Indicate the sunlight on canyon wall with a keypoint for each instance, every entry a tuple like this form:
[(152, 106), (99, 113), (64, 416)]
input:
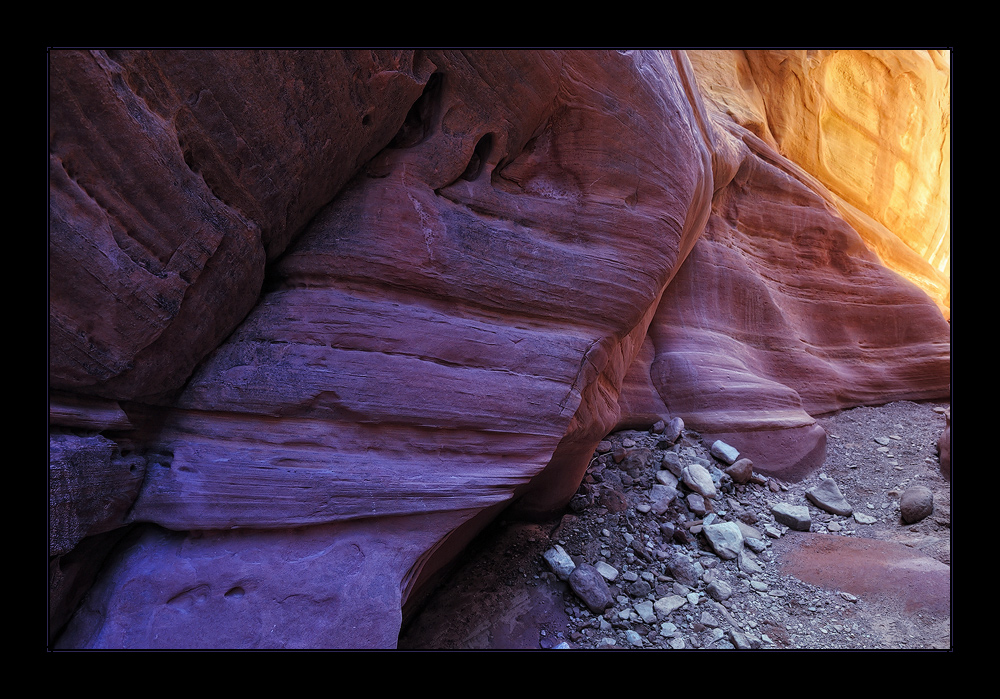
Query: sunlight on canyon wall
[(873, 127)]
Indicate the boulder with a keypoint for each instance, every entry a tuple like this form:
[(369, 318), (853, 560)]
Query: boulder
[(916, 503)]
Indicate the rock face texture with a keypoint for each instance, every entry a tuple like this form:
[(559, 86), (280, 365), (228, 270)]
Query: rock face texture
[(338, 309)]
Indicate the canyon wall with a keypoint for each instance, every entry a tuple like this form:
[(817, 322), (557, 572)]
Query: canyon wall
[(317, 317)]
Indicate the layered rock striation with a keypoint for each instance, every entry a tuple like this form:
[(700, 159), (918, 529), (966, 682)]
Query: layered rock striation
[(338, 309)]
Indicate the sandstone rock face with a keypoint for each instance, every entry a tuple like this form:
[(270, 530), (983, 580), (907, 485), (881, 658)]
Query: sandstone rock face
[(354, 304), (873, 126)]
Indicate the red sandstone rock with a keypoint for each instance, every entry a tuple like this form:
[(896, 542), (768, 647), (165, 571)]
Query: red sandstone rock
[(878, 570), (944, 449), (174, 177), (490, 280)]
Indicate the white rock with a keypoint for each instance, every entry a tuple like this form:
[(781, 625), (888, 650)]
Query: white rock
[(559, 561), (607, 572), (645, 611), (723, 452), (726, 539), (698, 479), (667, 605)]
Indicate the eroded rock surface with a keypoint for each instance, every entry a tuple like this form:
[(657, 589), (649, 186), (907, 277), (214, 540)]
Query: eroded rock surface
[(353, 304)]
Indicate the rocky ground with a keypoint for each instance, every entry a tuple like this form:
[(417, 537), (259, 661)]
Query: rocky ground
[(674, 568)]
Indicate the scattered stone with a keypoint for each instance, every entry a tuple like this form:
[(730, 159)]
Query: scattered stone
[(673, 429), (633, 638), (660, 497), (863, 518), (698, 479), (723, 452), (658, 427), (665, 606), (739, 640), (667, 478), (560, 562), (646, 612), (741, 471), (719, 590), (684, 570), (607, 571), (696, 503), (672, 463), (882, 440), (748, 565), (613, 499), (792, 516), (827, 496), (589, 585), (604, 447), (916, 503), (726, 539)]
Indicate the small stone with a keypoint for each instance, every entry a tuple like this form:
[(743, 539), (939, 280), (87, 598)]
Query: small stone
[(739, 640), (633, 638), (646, 612), (696, 503), (658, 426), (604, 447), (667, 478), (741, 471), (863, 518), (672, 462), (667, 629), (560, 562), (698, 479), (628, 443), (660, 497), (792, 516), (607, 572), (684, 570), (665, 606), (720, 590), (726, 539), (882, 440), (748, 565), (916, 503), (723, 452), (673, 429), (589, 585), (827, 496)]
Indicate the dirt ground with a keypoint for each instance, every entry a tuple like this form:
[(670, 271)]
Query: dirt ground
[(850, 583)]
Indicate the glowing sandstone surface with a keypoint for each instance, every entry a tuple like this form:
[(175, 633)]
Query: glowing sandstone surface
[(331, 312)]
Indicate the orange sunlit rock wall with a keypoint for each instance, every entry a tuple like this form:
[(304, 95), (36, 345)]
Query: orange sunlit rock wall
[(872, 126)]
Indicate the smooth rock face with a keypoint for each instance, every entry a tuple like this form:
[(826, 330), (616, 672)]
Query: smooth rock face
[(373, 298)]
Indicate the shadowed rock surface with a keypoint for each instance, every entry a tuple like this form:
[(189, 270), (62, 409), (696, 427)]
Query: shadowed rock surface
[(347, 306)]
